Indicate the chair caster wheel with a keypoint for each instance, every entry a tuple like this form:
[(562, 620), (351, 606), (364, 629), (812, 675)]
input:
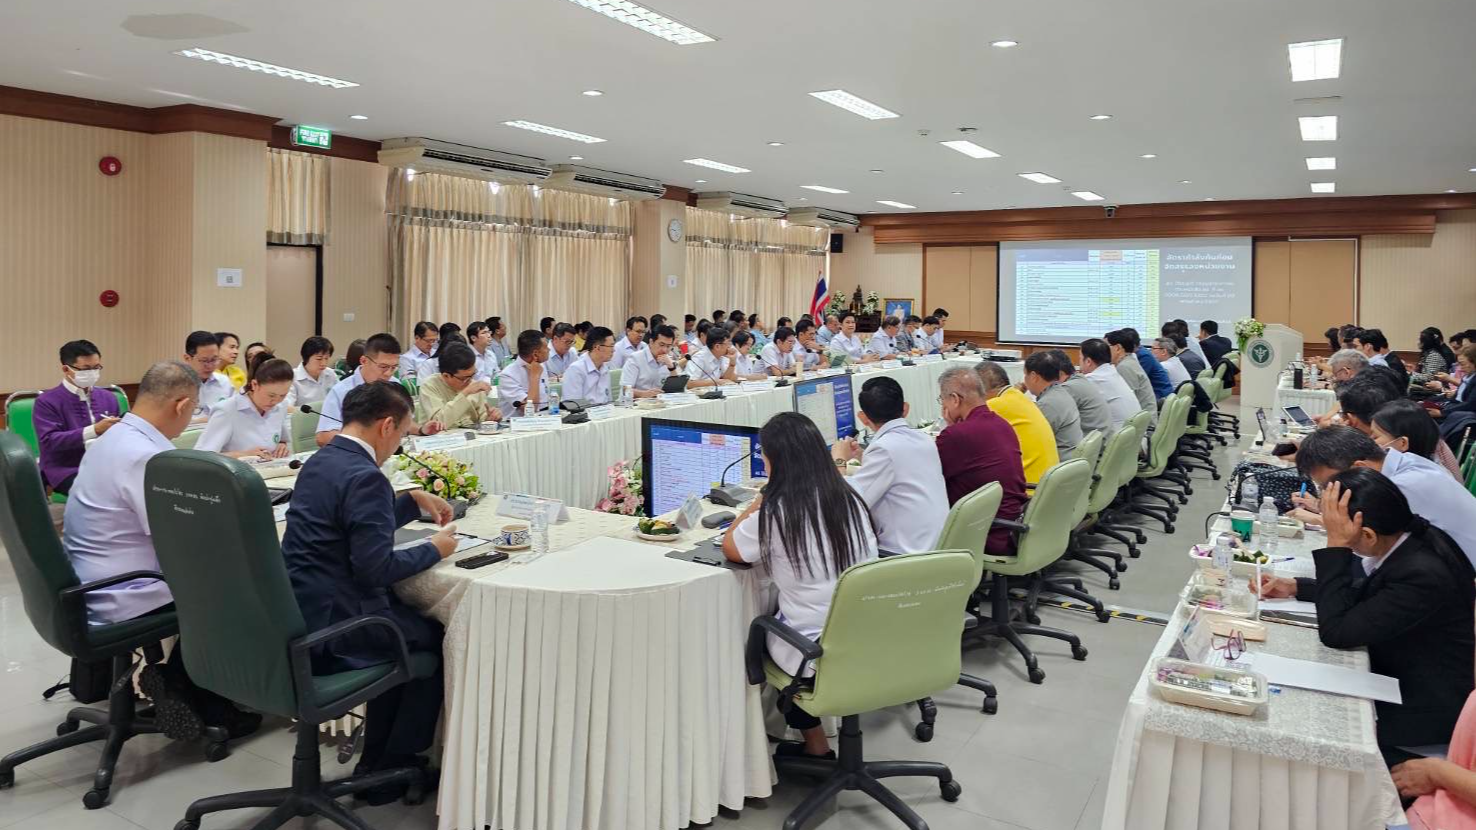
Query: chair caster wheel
[(923, 732), (216, 752), (1141, 536), (7, 780), (1169, 528), (66, 727), (950, 790), (991, 706), (186, 824), (1113, 584), (1104, 616), (1121, 566), (1215, 476), (1134, 553), (1036, 675), (94, 799), (1080, 652)]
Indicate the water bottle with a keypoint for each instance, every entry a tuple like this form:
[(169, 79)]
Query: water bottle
[(538, 535), (1266, 520), (1223, 554), (553, 403), (1249, 493), (627, 395)]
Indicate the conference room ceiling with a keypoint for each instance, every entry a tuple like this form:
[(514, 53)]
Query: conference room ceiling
[(1203, 86)]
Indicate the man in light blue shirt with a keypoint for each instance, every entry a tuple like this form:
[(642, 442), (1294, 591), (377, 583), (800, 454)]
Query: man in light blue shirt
[(588, 378), (646, 370), (380, 360), (824, 334), (562, 353), (426, 335), (884, 342)]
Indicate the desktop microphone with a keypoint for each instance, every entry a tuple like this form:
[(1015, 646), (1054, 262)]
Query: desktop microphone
[(714, 394), (730, 496), (307, 409)]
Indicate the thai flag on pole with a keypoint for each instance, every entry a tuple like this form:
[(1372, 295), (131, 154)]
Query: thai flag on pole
[(821, 298)]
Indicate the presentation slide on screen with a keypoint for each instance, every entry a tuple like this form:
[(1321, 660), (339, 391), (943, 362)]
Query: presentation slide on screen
[(1067, 291)]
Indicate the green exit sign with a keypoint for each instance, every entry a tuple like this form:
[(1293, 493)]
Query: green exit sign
[(319, 137)]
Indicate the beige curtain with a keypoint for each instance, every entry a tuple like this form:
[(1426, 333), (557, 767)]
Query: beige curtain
[(297, 198), (763, 266), (463, 249)]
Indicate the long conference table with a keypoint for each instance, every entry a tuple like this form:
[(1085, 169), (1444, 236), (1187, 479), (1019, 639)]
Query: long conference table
[(569, 463)]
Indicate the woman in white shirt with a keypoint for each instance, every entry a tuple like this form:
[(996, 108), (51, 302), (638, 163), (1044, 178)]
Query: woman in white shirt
[(745, 365), (847, 342), (251, 424), (806, 528), (312, 378)]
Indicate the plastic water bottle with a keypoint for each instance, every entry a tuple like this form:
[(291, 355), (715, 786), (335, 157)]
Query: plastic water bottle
[(553, 403), (538, 535), (1249, 493), (1223, 555), (627, 395), (1266, 521)]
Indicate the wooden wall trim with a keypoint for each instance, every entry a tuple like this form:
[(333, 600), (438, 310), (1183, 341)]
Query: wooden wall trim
[(678, 194), (174, 119), (344, 146)]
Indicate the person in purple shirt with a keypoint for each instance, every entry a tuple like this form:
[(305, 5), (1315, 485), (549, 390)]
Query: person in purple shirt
[(979, 447), (69, 415)]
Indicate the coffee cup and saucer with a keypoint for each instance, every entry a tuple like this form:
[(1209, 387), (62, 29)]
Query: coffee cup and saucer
[(513, 537)]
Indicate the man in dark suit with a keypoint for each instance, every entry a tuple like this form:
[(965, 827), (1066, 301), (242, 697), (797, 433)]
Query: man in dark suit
[(1213, 344), (341, 557)]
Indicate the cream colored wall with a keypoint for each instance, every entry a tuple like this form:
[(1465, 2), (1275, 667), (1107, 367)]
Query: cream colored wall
[(1408, 282), (654, 258), (229, 216), (890, 270), (355, 257)]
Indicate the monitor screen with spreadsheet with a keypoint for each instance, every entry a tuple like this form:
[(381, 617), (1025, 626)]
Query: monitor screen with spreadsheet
[(1065, 291), (828, 403), (686, 458)]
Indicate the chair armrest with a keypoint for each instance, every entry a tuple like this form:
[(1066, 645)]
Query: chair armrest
[(299, 652), (75, 596), (1008, 525), (754, 649)]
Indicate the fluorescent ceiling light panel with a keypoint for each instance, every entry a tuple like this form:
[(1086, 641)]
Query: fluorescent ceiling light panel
[(1315, 60), (1087, 196), (851, 103), (1322, 163), (823, 189), (1100, 117), (648, 21), (1039, 178), (969, 148), (266, 68), (1319, 127), (716, 165), (1004, 44), (360, 117), (1322, 187), (553, 131), (592, 93), (891, 203)]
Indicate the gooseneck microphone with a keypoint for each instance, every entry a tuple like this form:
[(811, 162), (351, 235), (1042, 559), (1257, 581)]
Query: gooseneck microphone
[(730, 496), (307, 409)]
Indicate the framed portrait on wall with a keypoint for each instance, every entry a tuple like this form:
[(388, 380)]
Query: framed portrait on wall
[(895, 307)]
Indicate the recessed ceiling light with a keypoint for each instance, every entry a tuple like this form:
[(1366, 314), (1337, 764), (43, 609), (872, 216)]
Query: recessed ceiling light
[(851, 103), (1451, 191), (969, 148), (360, 117), (717, 165), (823, 189), (576, 158), (957, 193), (1149, 156), (646, 20), (700, 181), (592, 93), (1322, 163), (776, 143), (1473, 170), (1322, 187), (1184, 181), (1208, 199), (803, 199), (1100, 117), (1039, 178), (266, 68), (553, 131), (891, 203), (1319, 127), (1315, 60), (1087, 196), (1004, 44)]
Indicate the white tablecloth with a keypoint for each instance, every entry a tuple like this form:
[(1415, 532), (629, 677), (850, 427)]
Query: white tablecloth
[(1313, 401), (569, 463), (1308, 761)]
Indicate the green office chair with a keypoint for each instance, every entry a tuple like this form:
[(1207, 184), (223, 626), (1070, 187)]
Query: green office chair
[(303, 430), (1223, 421), (122, 398), (19, 420), (873, 653), (1196, 447), (615, 384), (1203, 426), (1161, 446), (56, 604), (1039, 539), (186, 440), (966, 528), (412, 386), (252, 646), (1116, 467), (1099, 497)]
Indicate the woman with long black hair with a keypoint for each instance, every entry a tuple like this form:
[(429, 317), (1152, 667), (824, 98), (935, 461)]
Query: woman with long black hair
[(1436, 357), (1408, 600), (805, 529)]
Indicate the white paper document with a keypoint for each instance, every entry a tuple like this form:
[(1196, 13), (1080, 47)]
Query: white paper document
[(1306, 674)]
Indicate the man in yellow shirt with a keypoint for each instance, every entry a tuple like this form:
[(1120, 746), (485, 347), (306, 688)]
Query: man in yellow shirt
[(1038, 442), (454, 398)]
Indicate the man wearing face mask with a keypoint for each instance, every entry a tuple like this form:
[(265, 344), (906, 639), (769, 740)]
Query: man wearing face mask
[(341, 557), (68, 416)]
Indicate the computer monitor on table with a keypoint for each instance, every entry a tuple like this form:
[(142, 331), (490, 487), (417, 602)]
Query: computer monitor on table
[(828, 403), (688, 458)]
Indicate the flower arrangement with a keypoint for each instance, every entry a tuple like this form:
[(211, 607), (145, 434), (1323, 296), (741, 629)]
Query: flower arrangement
[(873, 303), (442, 475), (1246, 328), (838, 304), (625, 495)]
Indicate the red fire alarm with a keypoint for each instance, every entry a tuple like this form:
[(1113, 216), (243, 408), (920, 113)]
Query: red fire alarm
[(108, 298), (110, 166)]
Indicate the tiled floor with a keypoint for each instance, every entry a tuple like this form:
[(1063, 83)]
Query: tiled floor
[(1041, 763)]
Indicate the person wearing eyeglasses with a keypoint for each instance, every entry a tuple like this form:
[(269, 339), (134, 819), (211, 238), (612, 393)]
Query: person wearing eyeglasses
[(380, 360), (562, 351), (1393, 583), (588, 378), (978, 447), (203, 354), (69, 415), (457, 395)]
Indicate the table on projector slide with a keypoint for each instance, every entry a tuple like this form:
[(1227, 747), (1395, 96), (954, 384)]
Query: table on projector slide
[(689, 467), (1308, 761), (1107, 289), (570, 463)]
